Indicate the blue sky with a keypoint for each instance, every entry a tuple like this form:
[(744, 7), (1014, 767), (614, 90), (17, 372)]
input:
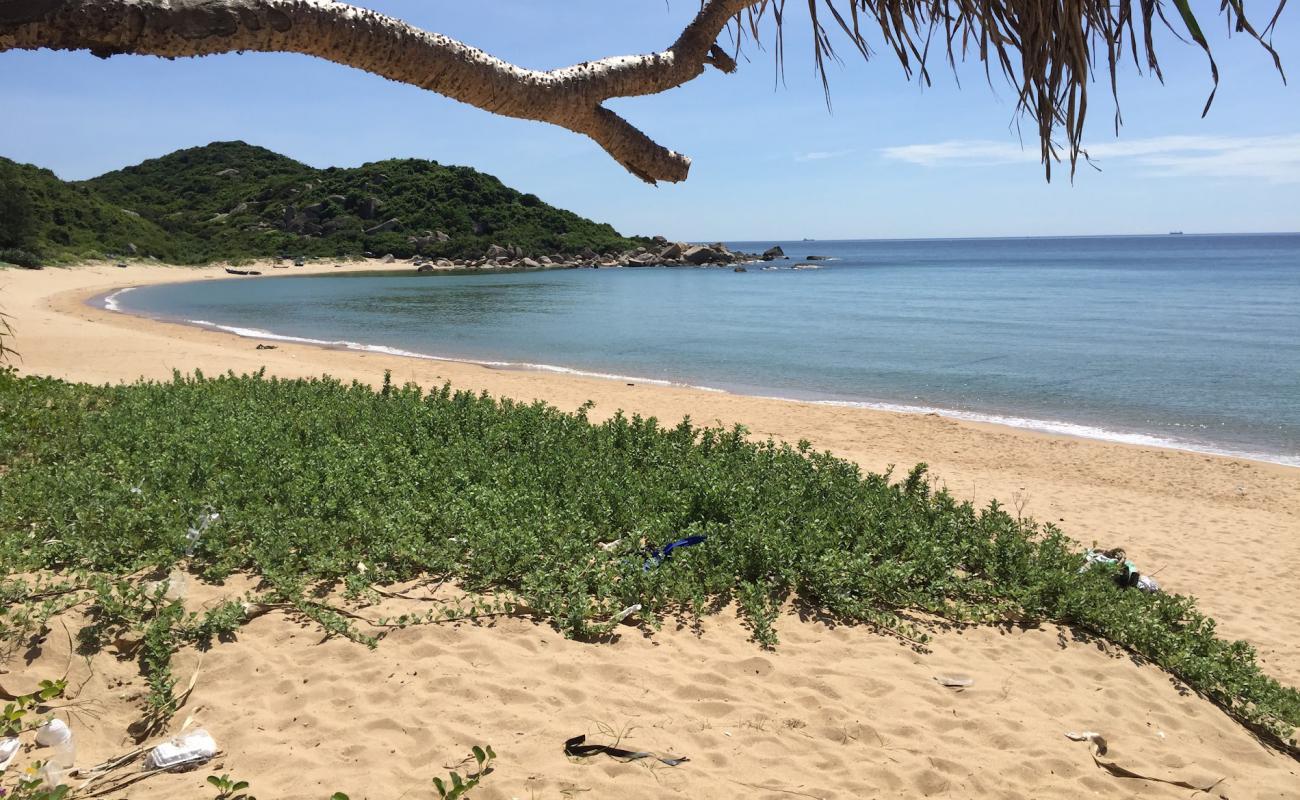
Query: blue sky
[(770, 162)]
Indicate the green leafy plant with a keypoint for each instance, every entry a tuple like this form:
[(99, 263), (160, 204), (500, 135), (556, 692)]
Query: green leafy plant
[(230, 789), (457, 785), (12, 718), (34, 788)]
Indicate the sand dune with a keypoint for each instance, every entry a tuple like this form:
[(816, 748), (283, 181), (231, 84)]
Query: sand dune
[(832, 713)]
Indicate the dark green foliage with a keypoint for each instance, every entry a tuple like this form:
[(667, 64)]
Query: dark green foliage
[(231, 200), (17, 217), (66, 221), (313, 478)]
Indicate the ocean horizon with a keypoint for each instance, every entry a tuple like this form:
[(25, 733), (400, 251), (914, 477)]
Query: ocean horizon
[(1185, 341)]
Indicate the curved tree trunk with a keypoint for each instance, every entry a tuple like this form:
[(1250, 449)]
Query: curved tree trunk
[(570, 97)]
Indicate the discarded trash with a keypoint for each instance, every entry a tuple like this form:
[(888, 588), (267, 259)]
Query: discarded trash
[(663, 554), (957, 682), (194, 534), (54, 732), (627, 612), (577, 748), (9, 747), (266, 347), (192, 748), (1129, 577), (56, 735), (1099, 750), (1098, 741)]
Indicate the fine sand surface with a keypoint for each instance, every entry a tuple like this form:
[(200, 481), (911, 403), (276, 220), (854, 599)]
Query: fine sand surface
[(832, 713)]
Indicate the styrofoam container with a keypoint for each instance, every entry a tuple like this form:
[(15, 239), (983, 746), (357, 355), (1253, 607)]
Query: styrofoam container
[(194, 747)]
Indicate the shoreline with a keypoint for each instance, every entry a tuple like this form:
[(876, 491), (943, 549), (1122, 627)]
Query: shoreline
[(1049, 427), (1212, 526)]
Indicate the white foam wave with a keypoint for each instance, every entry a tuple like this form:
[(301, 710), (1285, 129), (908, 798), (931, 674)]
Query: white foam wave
[(1064, 428), (344, 344), (110, 301)]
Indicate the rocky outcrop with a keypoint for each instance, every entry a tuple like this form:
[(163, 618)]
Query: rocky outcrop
[(773, 253)]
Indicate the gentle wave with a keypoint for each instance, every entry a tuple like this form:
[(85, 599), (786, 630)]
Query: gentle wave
[(110, 301), (1075, 429), (344, 344), (1059, 427)]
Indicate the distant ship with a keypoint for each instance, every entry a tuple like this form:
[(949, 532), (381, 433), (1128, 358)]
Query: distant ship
[(1175, 233), (810, 240)]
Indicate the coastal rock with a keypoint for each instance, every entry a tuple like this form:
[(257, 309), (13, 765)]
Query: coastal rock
[(706, 255), (644, 260), (369, 208), (529, 263), (816, 258), (388, 259), (228, 173), (773, 253), (672, 252), (441, 237), (425, 268), (497, 251)]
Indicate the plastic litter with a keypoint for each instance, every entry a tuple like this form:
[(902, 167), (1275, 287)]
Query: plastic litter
[(195, 533), (627, 612), (9, 747), (577, 748), (661, 555), (54, 732), (56, 735), (958, 682), (1129, 577), (190, 749)]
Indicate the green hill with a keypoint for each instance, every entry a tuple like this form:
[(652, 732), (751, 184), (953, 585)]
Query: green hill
[(231, 200), (42, 217)]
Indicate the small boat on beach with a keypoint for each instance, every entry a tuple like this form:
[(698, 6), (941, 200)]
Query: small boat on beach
[(234, 271)]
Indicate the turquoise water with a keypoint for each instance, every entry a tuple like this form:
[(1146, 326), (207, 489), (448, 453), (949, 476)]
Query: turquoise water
[(1187, 341)]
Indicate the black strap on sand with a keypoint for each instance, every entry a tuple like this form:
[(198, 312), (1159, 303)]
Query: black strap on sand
[(577, 748)]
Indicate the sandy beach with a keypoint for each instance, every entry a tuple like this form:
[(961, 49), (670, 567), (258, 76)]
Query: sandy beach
[(834, 712)]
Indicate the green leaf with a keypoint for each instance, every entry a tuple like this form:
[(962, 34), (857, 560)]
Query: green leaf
[(479, 755), (440, 786)]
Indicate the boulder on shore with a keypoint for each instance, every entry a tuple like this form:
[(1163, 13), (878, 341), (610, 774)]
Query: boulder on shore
[(773, 253), (672, 252)]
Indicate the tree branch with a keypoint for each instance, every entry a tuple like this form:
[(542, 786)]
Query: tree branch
[(570, 97)]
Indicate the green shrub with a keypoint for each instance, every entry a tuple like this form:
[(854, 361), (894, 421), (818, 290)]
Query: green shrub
[(21, 258)]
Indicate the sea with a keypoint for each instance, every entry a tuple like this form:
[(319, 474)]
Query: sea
[(1183, 341)]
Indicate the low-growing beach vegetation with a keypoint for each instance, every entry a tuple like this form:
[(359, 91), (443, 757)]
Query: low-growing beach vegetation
[(316, 486)]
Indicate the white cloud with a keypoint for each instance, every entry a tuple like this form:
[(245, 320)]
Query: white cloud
[(821, 155), (1275, 159)]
